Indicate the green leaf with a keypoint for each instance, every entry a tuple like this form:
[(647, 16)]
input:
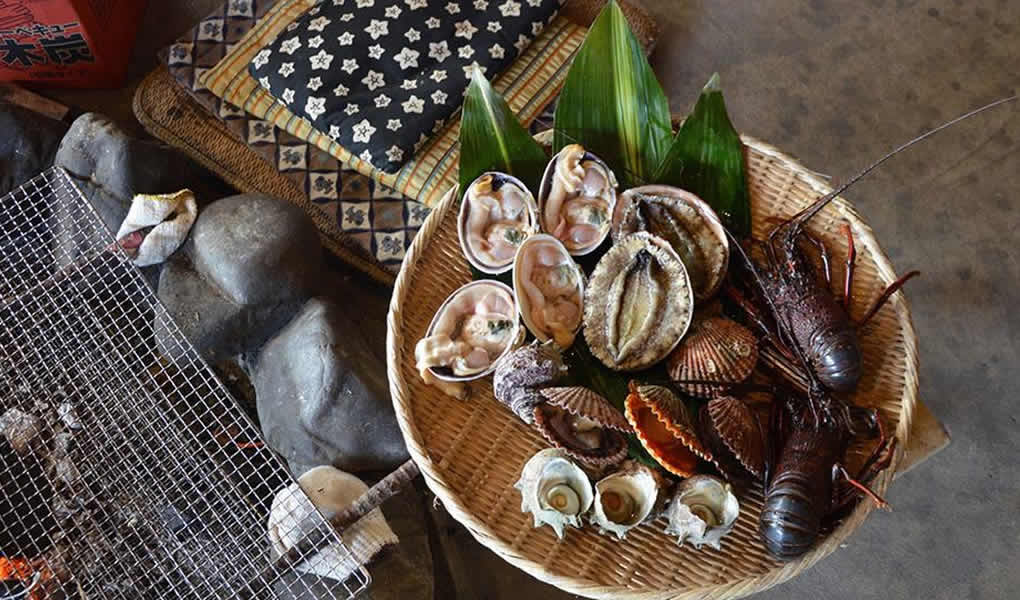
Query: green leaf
[(612, 103), (492, 139), (707, 159)]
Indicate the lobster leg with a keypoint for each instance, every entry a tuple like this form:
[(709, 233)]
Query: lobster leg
[(851, 259), (824, 253), (889, 291)]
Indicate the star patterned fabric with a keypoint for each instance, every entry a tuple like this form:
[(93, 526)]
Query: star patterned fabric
[(380, 76)]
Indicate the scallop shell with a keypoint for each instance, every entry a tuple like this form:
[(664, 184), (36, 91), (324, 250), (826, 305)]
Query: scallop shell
[(625, 499), (522, 373), (549, 289), (440, 356), (685, 221), (603, 443), (665, 429), (733, 432), (577, 176), (715, 349), (554, 490), (511, 227), (638, 303), (703, 510)]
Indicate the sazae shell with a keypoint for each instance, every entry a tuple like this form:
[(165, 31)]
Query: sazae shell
[(638, 303), (496, 215), (576, 199), (549, 287), (554, 490), (665, 428), (583, 424), (522, 373), (732, 431), (625, 499), (715, 349), (702, 511)]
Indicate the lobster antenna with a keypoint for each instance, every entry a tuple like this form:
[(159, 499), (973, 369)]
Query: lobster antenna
[(805, 215)]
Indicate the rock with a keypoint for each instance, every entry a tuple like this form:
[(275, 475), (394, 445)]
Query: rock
[(323, 397), (22, 431), (28, 145)]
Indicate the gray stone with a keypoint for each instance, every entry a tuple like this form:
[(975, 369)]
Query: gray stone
[(27, 146), (322, 398)]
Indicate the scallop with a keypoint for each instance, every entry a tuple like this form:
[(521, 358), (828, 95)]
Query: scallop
[(638, 303), (716, 349), (554, 490), (576, 199), (732, 431), (497, 214), (549, 288), (525, 371), (703, 510), (685, 221), (474, 328), (665, 428), (625, 499), (583, 424)]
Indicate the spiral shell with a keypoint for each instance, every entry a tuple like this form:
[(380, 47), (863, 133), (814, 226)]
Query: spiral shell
[(583, 424), (715, 349), (703, 510), (732, 431), (554, 490), (665, 429), (625, 499), (522, 373)]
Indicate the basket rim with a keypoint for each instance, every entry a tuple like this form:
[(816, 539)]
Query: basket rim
[(864, 237)]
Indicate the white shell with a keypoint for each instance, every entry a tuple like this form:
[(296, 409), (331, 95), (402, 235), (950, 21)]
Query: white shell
[(544, 471), (464, 359), (687, 511), (548, 286), (577, 176), (637, 483), (487, 213)]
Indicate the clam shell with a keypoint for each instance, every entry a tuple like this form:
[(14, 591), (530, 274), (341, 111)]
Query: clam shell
[(561, 182), (637, 486), (586, 403), (581, 402), (638, 303), (685, 221), (715, 349), (493, 181), (545, 471), (665, 429), (563, 274), (699, 498), (522, 373), (735, 436)]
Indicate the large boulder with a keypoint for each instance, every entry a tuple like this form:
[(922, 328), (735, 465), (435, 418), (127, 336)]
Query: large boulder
[(28, 145), (323, 398)]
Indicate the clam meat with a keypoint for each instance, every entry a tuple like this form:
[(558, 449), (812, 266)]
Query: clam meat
[(638, 303), (625, 499), (475, 327), (702, 511), (576, 199), (549, 288), (498, 213), (554, 490)]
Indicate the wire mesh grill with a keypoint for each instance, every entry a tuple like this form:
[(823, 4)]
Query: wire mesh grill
[(123, 474)]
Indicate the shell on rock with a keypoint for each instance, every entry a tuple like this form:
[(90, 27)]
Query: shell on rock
[(638, 303), (522, 373), (497, 214), (665, 428), (473, 329), (576, 199), (715, 349), (703, 510), (583, 424), (554, 490), (684, 220), (625, 499), (731, 429), (549, 288)]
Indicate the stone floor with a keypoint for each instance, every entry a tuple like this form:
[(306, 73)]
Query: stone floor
[(837, 83)]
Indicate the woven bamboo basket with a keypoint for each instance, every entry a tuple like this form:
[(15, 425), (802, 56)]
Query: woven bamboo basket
[(471, 452)]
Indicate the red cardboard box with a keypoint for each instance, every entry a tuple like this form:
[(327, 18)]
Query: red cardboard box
[(67, 43)]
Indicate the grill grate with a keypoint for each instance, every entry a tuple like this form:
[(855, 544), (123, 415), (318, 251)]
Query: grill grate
[(123, 474)]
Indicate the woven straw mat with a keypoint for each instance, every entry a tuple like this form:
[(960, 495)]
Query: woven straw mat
[(472, 452)]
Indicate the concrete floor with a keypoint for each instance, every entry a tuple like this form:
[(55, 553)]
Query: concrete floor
[(837, 83)]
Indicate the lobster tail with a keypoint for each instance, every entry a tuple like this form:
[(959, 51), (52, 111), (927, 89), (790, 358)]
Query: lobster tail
[(790, 520)]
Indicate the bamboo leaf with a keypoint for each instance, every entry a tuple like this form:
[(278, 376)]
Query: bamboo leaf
[(492, 139), (612, 103), (707, 159)]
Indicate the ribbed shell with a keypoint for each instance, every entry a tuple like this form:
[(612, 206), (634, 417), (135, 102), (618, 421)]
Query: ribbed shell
[(715, 349), (678, 455), (586, 403), (736, 426), (520, 375)]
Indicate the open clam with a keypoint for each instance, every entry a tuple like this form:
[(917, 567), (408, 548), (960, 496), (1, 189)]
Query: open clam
[(702, 511), (732, 431), (716, 349), (554, 490), (685, 221), (638, 303), (497, 214), (583, 424), (576, 199), (665, 428), (473, 329), (522, 373), (549, 287), (625, 499)]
